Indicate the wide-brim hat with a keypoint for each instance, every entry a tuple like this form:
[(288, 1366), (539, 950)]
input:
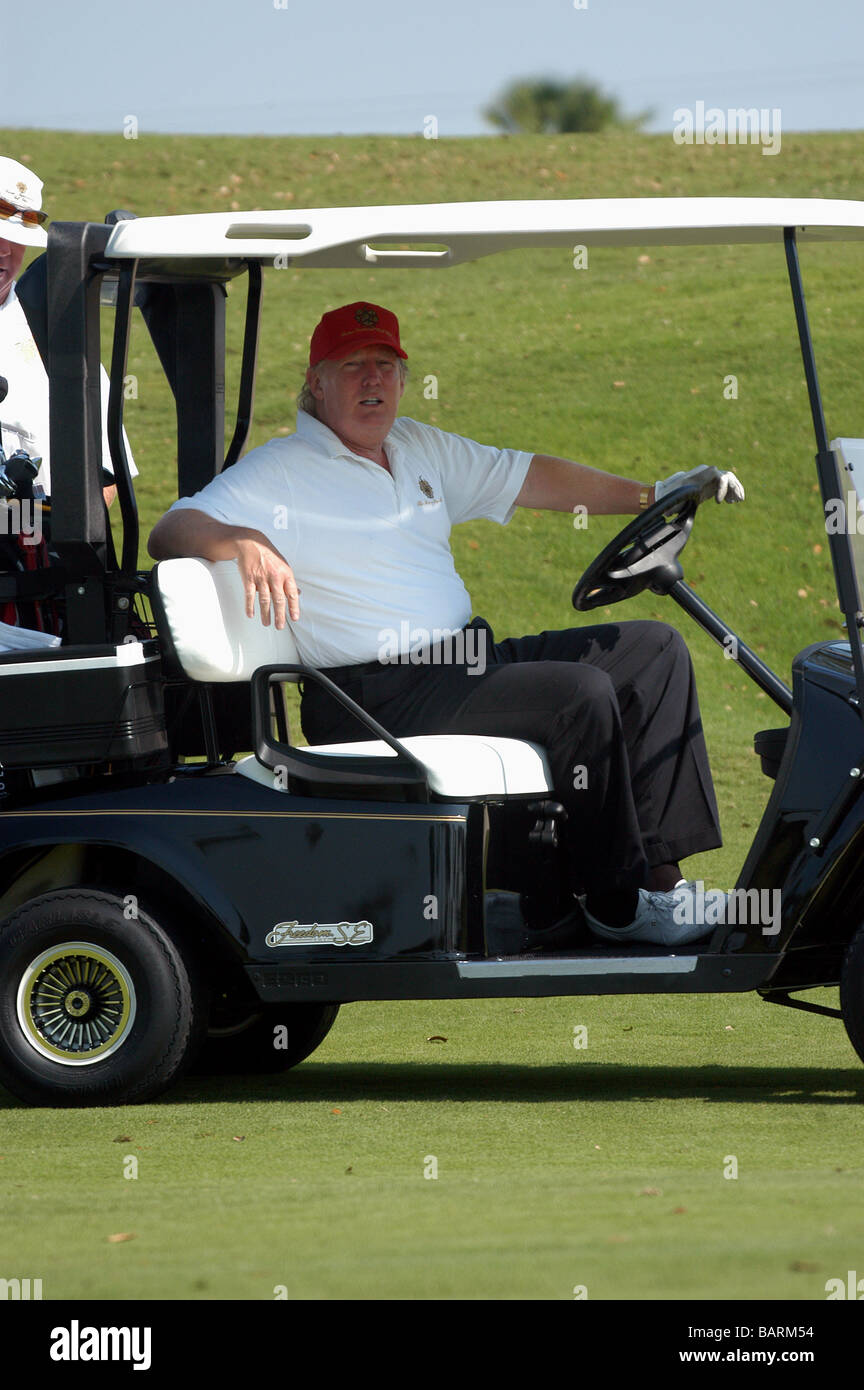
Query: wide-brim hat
[(20, 187)]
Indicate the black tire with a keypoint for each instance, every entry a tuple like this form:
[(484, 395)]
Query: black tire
[(96, 1008), (269, 1038), (852, 992)]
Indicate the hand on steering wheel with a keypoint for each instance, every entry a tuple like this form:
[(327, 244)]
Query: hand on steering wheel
[(713, 482), (645, 554)]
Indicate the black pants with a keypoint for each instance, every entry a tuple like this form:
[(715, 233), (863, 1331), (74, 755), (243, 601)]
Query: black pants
[(615, 707)]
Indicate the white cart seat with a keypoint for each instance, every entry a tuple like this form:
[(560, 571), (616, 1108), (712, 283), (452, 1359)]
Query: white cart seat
[(458, 765), (213, 640)]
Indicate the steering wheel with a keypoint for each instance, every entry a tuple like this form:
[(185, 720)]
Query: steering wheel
[(642, 556)]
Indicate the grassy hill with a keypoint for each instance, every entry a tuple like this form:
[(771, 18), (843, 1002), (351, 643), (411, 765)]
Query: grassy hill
[(621, 366)]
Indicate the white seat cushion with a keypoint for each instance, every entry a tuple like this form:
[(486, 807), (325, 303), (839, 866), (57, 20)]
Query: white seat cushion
[(205, 613), (459, 765)]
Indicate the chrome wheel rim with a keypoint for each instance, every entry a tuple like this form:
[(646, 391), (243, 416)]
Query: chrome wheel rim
[(76, 1003)]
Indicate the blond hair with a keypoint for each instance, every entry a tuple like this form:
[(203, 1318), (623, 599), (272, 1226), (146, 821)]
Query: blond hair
[(306, 401)]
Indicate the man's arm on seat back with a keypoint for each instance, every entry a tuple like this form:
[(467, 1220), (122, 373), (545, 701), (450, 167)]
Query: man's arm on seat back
[(190, 532), (264, 571)]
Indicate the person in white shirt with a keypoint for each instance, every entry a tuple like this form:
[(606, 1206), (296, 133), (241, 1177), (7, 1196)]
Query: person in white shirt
[(24, 412), (352, 514)]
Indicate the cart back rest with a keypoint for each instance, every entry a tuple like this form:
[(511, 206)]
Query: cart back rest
[(200, 610)]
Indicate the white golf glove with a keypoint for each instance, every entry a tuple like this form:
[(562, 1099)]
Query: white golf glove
[(723, 487)]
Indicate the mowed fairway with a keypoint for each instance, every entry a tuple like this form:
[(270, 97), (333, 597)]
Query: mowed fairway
[(609, 1166)]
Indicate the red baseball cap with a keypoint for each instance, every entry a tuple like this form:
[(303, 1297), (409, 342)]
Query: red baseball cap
[(353, 326)]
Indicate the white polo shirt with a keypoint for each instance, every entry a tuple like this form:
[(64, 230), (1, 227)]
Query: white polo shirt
[(370, 550), (24, 413)]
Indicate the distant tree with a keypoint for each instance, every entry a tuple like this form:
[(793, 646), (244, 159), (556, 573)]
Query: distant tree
[(545, 106)]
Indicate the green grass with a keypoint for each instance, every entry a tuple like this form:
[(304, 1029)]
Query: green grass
[(602, 1166), (544, 1152)]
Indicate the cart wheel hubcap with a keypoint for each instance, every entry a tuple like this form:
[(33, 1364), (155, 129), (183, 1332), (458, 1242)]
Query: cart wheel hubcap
[(76, 1003)]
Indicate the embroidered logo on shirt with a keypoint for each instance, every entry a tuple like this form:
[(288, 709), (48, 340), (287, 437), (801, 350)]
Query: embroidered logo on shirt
[(428, 492)]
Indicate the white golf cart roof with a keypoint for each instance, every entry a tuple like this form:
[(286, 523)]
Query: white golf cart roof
[(447, 233)]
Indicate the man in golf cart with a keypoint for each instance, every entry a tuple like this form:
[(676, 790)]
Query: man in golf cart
[(25, 454), (343, 530), (24, 411)]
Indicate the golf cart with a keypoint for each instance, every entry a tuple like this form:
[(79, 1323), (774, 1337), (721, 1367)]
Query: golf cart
[(169, 898)]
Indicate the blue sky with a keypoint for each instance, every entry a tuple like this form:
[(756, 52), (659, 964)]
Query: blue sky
[(326, 66)]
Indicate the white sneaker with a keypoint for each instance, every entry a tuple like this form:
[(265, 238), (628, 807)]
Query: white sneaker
[(665, 919)]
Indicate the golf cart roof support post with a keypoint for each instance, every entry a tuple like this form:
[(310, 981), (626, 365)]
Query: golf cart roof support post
[(246, 394), (78, 524), (839, 543), (119, 360), (186, 323), (805, 339), (199, 384), (745, 657)]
